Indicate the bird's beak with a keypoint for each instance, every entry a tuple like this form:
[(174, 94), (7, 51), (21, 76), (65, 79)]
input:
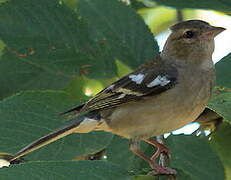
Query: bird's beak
[(216, 30), (211, 32)]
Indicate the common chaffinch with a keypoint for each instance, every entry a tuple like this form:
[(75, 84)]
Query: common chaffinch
[(157, 97)]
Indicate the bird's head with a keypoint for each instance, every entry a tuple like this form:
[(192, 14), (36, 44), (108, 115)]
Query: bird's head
[(191, 41)]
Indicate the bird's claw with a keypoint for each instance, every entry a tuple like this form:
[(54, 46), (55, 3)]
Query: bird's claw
[(162, 171), (165, 151), (161, 150)]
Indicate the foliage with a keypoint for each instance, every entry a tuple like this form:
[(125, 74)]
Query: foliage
[(55, 54)]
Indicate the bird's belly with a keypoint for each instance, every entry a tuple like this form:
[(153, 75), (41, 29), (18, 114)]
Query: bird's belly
[(161, 114)]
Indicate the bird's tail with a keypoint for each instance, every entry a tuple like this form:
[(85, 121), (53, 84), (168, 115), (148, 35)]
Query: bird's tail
[(82, 124)]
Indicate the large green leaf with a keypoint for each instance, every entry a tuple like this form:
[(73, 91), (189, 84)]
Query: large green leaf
[(221, 5), (195, 157), (223, 72), (145, 177), (47, 34), (220, 141), (58, 170), (181, 175), (30, 115), (40, 45), (49, 39), (221, 104), (16, 74), (120, 29), (118, 152)]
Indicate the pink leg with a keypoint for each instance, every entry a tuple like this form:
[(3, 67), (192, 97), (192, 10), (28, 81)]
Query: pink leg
[(134, 147), (161, 148)]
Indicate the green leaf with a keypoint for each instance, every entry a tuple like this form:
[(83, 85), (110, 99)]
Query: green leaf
[(58, 170), (40, 44), (145, 177), (122, 69), (220, 5), (17, 75), (180, 176), (118, 152), (137, 5), (221, 104), (30, 115), (81, 88), (76, 88), (50, 39), (2, 47), (220, 141), (120, 29), (71, 3), (223, 72), (2, 1), (195, 157), (47, 34)]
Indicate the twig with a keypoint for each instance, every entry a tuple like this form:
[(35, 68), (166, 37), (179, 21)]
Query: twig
[(179, 15)]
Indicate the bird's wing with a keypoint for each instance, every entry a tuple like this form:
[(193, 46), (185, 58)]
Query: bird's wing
[(151, 78)]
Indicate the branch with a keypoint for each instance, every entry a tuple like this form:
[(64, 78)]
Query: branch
[(179, 15)]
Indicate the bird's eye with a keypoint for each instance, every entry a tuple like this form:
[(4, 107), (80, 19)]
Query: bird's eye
[(188, 34)]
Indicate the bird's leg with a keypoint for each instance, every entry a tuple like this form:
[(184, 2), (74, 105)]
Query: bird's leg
[(134, 147), (161, 148)]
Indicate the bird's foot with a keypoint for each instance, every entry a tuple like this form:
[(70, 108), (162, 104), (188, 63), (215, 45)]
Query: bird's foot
[(161, 149), (160, 170)]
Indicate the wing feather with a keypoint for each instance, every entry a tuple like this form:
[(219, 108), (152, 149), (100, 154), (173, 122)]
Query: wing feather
[(151, 78)]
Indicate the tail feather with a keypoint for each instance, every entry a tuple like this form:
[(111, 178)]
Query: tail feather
[(79, 125)]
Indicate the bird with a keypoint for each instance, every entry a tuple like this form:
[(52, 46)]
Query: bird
[(158, 97)]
